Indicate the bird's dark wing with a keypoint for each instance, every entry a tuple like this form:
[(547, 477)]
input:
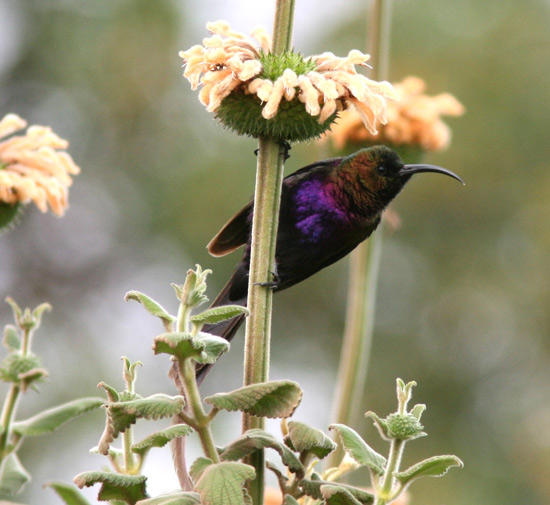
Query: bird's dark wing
[(296, 264), (233, 234), (236, 231)]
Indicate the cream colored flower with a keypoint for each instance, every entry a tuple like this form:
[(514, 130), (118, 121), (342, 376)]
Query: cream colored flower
[(33, 166), (229, 61), (414, 119)]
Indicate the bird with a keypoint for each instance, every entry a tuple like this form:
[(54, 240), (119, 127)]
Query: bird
[(327, 209)]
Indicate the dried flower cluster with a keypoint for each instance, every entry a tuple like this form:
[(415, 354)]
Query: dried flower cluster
[(414, 119), (325, 84), (32, 167)]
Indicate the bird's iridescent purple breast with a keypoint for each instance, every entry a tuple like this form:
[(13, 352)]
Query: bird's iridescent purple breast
[(317, 210)]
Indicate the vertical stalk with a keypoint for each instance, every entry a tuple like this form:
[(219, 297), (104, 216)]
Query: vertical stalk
[(392, 467), (363, 279), (8, 413), (267, 196), (364, 265), (10, 403), (128, 435)]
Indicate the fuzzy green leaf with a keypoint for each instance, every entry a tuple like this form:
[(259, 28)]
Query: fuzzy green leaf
[(218, 314), (223, 483), (338, 495), (304, 438), (38, 312), (214, 347), (13, 475), (418, 410), (29, 378), (68, 493), (11, 338), (154, 308), (112, 393), (114, 486), (180, 344), (51, 419), (264, 399), (120, 415), (313, 488), (380, 424), (17, 312), (161, 438), (358, 449), (198, 466), (255, 439), (436, 466), (178, 498)]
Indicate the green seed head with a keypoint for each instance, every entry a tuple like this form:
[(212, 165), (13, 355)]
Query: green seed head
[(242, 112), (403, 426), (16, 364), (9, 215)]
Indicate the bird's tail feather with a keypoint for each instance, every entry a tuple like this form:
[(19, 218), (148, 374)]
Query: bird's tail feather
[(225, 329)]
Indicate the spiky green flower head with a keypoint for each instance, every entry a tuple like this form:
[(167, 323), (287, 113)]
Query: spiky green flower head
[(282, 96), (9, 216)]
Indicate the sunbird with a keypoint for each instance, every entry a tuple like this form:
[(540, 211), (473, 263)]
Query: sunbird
[(327, 209)]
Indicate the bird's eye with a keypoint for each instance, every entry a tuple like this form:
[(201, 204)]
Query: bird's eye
[(381, 169)]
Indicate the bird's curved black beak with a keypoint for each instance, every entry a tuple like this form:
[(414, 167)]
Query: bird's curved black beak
[(408, 170)]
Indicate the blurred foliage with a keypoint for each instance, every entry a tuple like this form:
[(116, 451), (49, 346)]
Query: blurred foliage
[(463, 300)]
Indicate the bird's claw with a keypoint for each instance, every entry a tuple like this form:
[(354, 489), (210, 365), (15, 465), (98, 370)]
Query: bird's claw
[(287, 147), (270, 284)]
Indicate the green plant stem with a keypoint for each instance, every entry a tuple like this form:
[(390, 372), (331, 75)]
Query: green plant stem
[(385, 493), (26, 341), (364, 268), (8, 413), (182, 320), (129, 460), (267, 198), (128, 435), (201, 421), (10, 403)]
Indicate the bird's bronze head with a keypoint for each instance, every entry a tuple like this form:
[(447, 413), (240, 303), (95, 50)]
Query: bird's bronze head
[(380, 171)]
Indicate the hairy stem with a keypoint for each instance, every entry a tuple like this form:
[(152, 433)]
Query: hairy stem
[(364, 267), (10, 403), (201, 422), (267, 197), (8, 413), (385, 492)]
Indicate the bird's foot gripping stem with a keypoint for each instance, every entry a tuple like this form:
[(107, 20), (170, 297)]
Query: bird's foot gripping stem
[(285, 145), (273, 284)]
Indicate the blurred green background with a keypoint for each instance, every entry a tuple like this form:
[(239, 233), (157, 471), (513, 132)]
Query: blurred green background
[(463, 299)]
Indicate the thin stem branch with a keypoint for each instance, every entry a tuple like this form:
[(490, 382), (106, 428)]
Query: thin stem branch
[(364, 266), (10, 403), (201, 421), (8, 413)]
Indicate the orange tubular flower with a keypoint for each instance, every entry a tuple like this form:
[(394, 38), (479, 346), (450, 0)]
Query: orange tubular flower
[(34, 167), (413, 119)]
